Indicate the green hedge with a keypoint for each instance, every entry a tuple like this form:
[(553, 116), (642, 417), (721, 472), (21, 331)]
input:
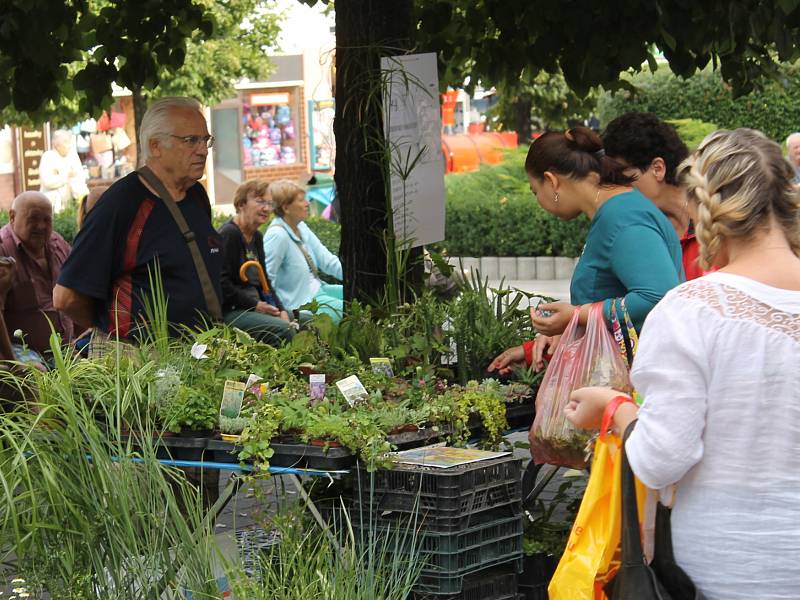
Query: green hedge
[(775, 109), (492, 212)]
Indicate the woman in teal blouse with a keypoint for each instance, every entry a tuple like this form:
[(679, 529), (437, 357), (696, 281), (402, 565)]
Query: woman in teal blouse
[(631, 251)]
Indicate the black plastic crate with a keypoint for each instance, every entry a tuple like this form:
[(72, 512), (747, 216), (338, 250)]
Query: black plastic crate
[(483, 506), (436, 587), (446, 483), (451, 553), (445, 500), (497, 583)]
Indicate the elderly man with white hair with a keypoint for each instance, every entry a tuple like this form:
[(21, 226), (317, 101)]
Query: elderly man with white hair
[(793, 154), (61, 174), (134, 233), (36, 255)]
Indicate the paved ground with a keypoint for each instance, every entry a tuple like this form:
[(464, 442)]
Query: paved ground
[(555, 288)]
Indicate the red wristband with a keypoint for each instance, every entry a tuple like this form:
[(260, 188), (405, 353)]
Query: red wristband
[(611, 408), (528, 348)]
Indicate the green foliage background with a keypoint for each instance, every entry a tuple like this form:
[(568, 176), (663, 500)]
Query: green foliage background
[(775, 109), (491, 212)]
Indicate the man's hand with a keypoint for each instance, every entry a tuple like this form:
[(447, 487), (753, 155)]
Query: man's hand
[(7, 272), (76, 306), (267, 309), (285, 316), (556, 323)]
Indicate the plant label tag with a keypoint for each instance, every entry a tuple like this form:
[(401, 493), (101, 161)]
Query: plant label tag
[(232, 397), (352, 389), (382, 365), (316, 386), (535, 302), (253, 386)]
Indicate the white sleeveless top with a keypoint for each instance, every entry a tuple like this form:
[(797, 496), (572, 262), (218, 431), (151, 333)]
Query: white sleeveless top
[(719, 368)]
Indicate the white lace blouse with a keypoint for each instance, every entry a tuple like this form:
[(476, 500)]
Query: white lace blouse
[(719, 368)]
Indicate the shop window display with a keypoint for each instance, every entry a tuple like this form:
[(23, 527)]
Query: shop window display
[(104, 147), (269, 131)]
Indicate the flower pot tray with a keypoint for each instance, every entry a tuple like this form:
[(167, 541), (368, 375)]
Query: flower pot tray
[(308, 456), (180, 447)]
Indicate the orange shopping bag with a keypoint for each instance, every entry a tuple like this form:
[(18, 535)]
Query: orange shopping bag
[(590, 557)]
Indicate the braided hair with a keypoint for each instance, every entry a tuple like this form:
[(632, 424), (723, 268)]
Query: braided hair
[(739, 179)]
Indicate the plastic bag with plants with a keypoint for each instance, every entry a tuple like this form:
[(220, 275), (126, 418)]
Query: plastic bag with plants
[(585, 356)]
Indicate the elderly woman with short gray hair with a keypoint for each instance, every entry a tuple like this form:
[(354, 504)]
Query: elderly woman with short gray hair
[(295, 256), (251, 304)]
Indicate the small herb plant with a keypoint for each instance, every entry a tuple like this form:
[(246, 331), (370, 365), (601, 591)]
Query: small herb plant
[(192, 410), (258, 434)]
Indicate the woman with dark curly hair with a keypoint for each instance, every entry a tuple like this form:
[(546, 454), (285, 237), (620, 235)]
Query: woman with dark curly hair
[(652, 151)]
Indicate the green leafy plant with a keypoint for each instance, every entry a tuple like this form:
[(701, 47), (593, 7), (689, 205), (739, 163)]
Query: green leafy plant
[(192, 409), (233, 425), (489, 405), (86, 512), (484, 322), (258, 434)]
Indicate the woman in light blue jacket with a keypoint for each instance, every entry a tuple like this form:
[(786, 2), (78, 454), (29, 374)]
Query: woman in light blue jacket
[(295, 256)]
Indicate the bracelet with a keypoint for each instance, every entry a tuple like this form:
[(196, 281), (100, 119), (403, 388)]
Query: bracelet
[(611, 408), (528, 348)]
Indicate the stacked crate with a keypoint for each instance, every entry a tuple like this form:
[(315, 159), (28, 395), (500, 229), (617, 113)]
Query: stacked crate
[(464, 522)]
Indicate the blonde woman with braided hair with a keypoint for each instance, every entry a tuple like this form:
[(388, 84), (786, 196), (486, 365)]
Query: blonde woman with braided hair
[(719, 368)]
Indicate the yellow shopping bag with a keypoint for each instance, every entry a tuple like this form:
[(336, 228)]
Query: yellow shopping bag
[(591, 555)]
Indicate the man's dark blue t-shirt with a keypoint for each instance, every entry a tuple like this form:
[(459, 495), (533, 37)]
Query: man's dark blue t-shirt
[(127, 234)]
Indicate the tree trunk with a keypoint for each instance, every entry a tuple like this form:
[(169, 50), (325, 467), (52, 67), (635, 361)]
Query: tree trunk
[(139, 108), (365, 31), (522, 117)]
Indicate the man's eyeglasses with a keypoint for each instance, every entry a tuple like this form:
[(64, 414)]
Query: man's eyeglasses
[(194, 140)]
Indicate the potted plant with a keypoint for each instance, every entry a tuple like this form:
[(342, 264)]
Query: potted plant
[(191, 412), (257, 436)]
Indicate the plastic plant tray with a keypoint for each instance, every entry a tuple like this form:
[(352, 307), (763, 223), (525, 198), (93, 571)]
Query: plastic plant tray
[(449, 483), (177, 447), (466, 511), (450, 553), (301, 456), (452, 585), (445, 500), (497, 583)]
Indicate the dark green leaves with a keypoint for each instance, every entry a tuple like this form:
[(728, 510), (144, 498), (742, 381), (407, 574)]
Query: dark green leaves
[(594, 42)]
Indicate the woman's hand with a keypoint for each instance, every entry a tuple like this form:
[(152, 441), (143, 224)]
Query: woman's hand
[(285, 316), (586, 406), (543, 348), (505, 362), (267, 309), (556, 323)]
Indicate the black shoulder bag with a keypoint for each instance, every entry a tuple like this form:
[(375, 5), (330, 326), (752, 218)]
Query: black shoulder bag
[(210, 294), (663, 579)]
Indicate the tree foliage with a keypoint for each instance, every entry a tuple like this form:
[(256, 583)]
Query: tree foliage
[(546, 100), (773, 109), (58, 60), (497, 41)]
